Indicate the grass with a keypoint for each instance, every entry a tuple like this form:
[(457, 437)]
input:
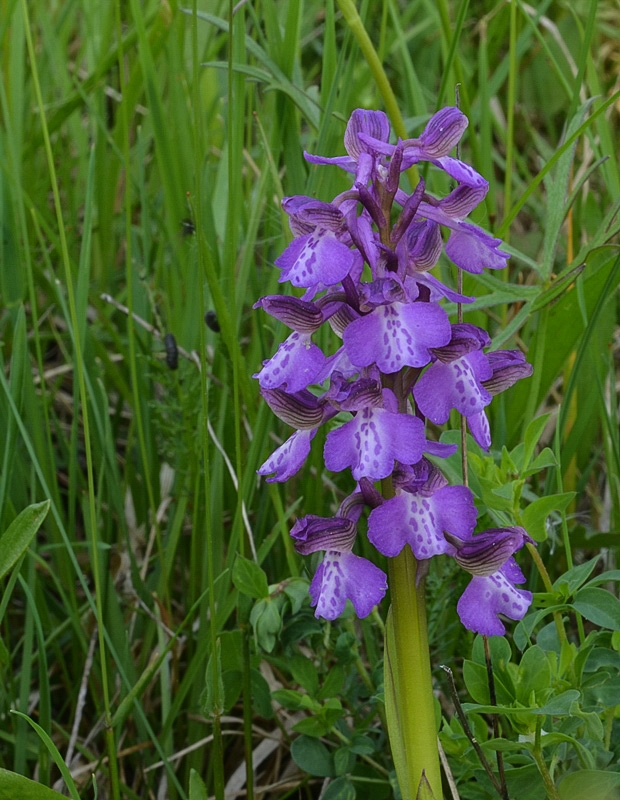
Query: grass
[(144, 152)]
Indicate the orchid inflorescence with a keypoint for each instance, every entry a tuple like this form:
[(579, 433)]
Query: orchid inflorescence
[(401, 361)]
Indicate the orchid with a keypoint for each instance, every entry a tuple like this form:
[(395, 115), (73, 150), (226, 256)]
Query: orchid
[(401, 362)]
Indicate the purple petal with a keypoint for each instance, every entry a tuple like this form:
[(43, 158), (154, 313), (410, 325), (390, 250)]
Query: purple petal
[(288, 458), (438, 290), (487, 552), (462, 200), (317, 258), (474, 250), (508, 367), (371, 123), (420, 521), (461, 172), (307, 213), (300, 410), (485, 598), (344, 162), (343, 576), (294, 313), (478, 425), (312, 533), (397, 335), (295, 366), (371, 442), (455, 385), (442, 133), (424, 245)]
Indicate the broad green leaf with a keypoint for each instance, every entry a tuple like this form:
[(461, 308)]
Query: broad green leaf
[(249, 578), (535, 515), (598, 606), (590, 783), (16, 787), (17, 537), (313, 757)]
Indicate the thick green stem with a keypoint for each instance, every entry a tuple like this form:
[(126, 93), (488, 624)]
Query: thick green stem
[(411, 716)]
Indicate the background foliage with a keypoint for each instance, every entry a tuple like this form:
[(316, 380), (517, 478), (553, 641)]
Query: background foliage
[(157, 629)]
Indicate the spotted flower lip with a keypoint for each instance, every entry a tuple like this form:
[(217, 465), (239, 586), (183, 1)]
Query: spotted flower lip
[(397, 335), (343, 576), (486, 597)]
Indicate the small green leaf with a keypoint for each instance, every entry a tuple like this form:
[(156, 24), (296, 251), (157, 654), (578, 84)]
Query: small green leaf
[(535, 515), (288, 698), (534, 676), (576, 576), (340, 789), (476, 681), (598, 606), (266, 621), (297, 592), (17, 537), (261, 695), (333, 684), (16, 787), (304, 672), (312, 726), (249, 578), (533, 432), (213, 697), (197, 788), (362, 745), (344, 760), (313, 757), (591, 783)]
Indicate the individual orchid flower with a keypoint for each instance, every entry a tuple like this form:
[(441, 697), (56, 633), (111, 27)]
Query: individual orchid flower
[(492, 591), (342, 575)]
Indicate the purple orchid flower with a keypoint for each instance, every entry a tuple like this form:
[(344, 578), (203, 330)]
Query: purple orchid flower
[(492, 591), (342, 575)]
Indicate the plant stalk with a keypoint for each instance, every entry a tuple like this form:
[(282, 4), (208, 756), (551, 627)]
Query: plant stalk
[(408, 659)]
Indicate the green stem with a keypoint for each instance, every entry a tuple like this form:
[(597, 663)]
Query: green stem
[(552, 792), (413, 725), (353, 20)]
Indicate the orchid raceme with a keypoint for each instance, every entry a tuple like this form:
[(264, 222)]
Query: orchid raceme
[(363, 262), (400, 361)]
